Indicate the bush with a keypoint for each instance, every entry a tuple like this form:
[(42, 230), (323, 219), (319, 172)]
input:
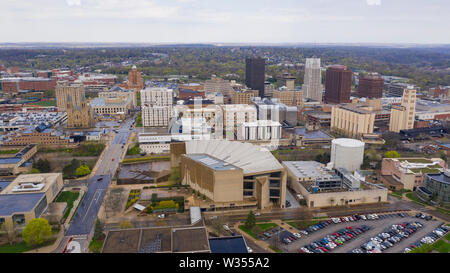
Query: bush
[(391, 154), (43, 165), (82, 171), (33, 170)]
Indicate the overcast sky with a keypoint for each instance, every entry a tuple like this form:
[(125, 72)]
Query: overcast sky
[(226, 21)]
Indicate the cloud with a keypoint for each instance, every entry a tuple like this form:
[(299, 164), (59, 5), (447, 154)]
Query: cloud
[(373, 2), (73, 2)]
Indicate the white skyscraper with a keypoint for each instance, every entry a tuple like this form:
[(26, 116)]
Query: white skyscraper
[(312, 85)]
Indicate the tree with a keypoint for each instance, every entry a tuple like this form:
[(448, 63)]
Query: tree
[(34, 170), (126, 225), (43, 165), (82, 171), (37, 232), (391, 154), (98, 231), (251, 220)]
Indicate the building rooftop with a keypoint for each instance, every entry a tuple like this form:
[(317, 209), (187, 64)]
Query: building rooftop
[(309, 169), (443, 177), (241, 155), (311, 134), (31, 183), (235, 244), (14, 203), (212, 162)]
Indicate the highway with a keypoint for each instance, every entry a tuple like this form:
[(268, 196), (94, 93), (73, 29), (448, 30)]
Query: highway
[(86, 215)]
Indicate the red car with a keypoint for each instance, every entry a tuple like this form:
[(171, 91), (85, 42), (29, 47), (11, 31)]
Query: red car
[(350, 228)]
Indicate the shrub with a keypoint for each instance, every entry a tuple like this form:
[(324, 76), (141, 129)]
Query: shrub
[(37, 232)]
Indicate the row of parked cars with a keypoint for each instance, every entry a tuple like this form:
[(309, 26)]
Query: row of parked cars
[(435, 235), (331, 241), (389, 237), (424, 216)]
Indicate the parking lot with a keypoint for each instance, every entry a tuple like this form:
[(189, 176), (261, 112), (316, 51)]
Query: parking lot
[(376, 226)]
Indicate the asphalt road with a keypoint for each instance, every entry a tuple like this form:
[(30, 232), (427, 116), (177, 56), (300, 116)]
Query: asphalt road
[(84, 218)]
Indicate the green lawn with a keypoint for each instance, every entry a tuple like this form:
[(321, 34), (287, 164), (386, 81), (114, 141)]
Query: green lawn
[(412, 196), (45, 103), (441, 246), (274, 248), (145, 159), (69, 197), (9, 152), (303, 224), (96, 246), (264, 227), (22, 247)]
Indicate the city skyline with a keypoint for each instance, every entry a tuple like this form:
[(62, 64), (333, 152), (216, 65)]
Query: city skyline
[(195, 21)]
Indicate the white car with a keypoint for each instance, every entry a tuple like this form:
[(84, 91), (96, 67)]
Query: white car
[(346, 219), (257, 214), (297, 235), (162, 216), (249, 250), (304, 232), (363, 217), (407, 250)]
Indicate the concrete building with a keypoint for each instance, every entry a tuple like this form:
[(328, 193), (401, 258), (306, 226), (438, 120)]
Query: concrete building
[(397, 89), (286, 80), (156, 96), (218, 85), (352, 120), (154, 143), (211, 114), (156, 106), (403, 116), (303, 137), (119, 92), (19, 162), (289, 97), (259, 130), (64, 90), (243, 96), (408, 173), (235, 114), (134, 81), (119, 106), (27, 197), (273, 109), (322, 187), (255, 74), (312, 84), (347, 153), (45, 138), (227, 173), (432, 110), (338, 84)]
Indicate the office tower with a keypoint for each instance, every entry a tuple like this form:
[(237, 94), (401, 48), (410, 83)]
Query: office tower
[(338, 84), (64, 89), (255, 74), (402, 117), (135, 81), (312, 85), (156, 105), (218, 85), (371, 87)]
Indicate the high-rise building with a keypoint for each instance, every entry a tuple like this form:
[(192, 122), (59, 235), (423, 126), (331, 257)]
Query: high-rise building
[(338, 84), (312, 84), (287, 80), (352, 120), (64, 89), (371, 87), (218, 85), (289, 97), (402, 116), (255, 74), (135, 81), (156, 106)]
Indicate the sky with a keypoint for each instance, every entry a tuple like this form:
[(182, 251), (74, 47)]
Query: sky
[(226, 21)]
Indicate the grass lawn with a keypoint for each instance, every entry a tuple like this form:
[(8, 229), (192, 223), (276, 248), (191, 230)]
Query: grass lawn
[(441, 246), (22, 247), (96, 246), (146, 158), (264, 227), (69, 197), (9, 152), (45, 103), (303, 224), (412, 196), (447, 236)]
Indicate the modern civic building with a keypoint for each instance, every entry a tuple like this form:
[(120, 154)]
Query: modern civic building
[(312, 84), (437, 188), (338, 84), (255, 72), (27, 197), (231, 174)]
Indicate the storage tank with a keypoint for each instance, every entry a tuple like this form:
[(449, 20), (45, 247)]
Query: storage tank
[(347, 153)]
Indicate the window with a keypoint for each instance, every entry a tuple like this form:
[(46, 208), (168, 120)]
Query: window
[(18, 219)]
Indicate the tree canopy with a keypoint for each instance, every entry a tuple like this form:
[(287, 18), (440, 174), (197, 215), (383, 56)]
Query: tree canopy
[(391, 154), (37, 232)]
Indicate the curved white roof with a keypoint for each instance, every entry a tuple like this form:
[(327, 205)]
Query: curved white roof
[(348, 142), (249, 157)]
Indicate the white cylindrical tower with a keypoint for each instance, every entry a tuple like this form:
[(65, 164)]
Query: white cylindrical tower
[(347, 153)]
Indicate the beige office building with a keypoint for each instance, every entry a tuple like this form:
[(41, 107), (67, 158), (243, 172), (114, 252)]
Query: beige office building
[(352, 120), (218, 85), (289, 97), (312, 86), (120, 93), (64, 89), (243, 96), (227, 173), (402, 117)]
